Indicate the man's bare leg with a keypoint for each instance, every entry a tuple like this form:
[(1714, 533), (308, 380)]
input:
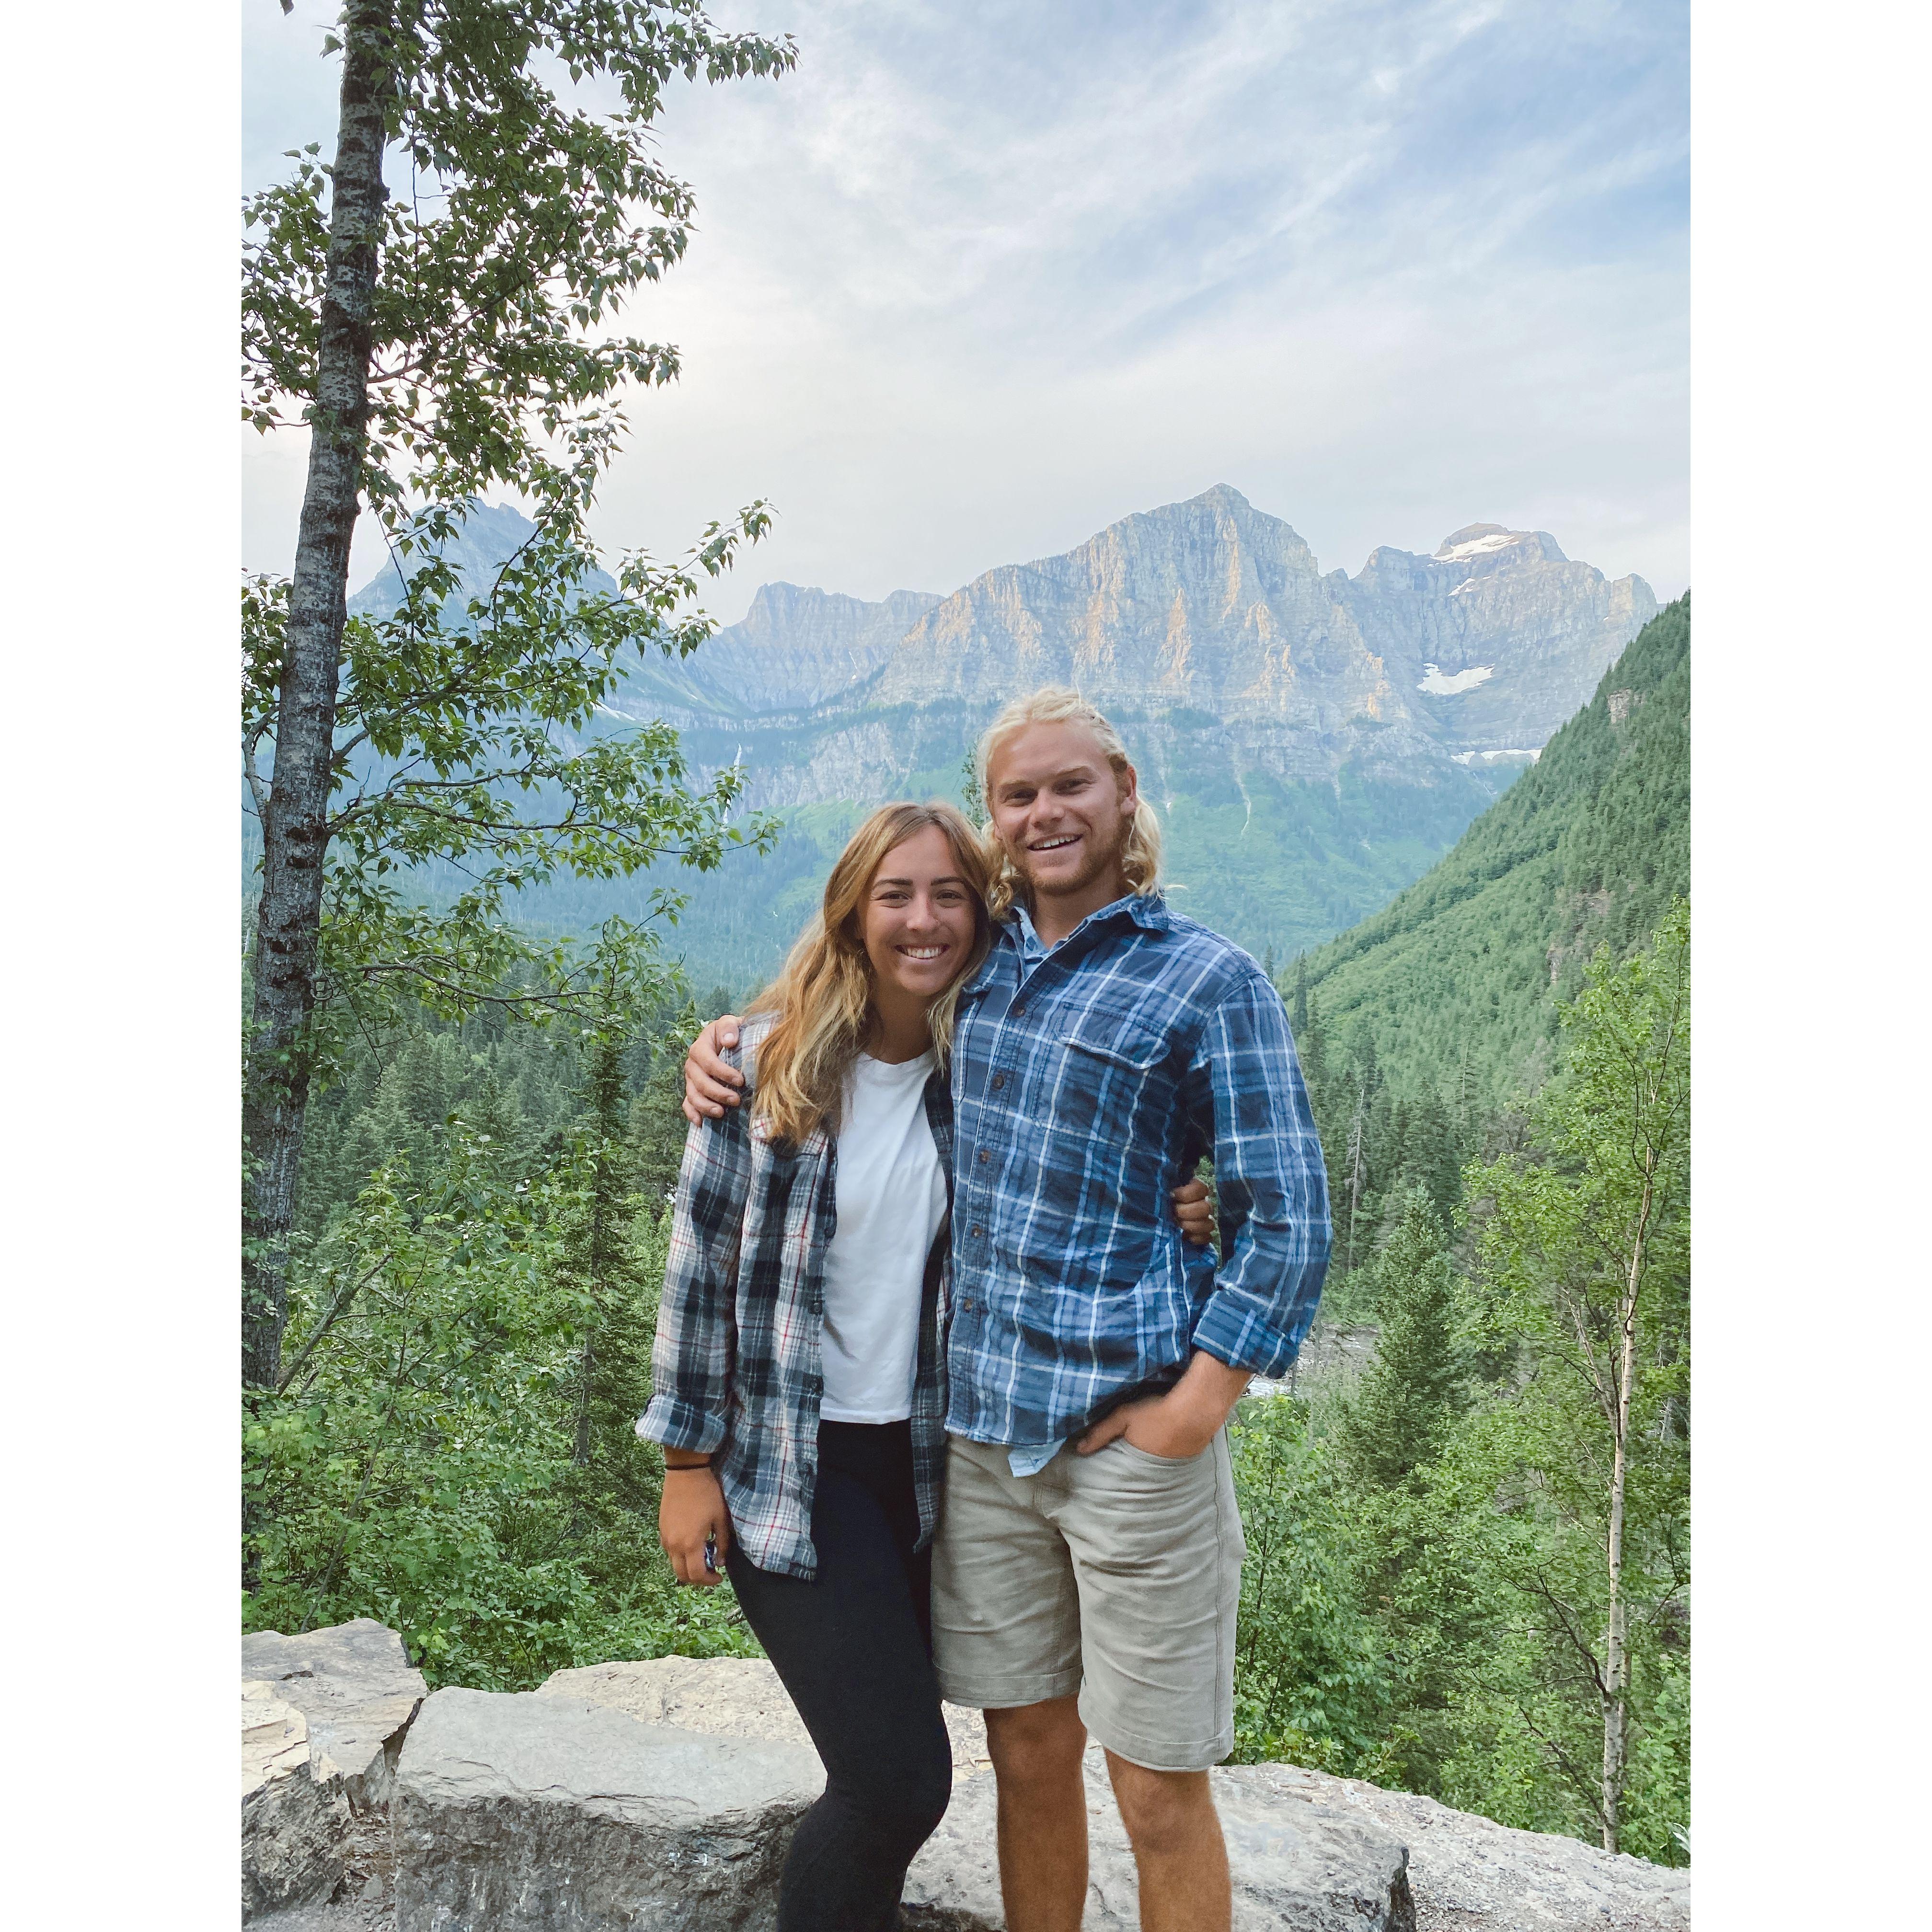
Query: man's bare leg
[(1179, 1851), (1036, 1751)]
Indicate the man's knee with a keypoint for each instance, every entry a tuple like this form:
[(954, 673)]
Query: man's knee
[(1033, 1743), (1164, 1811)]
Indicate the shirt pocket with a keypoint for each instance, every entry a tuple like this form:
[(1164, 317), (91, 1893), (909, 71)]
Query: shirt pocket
[(1119, 1067), (1117, 1039)]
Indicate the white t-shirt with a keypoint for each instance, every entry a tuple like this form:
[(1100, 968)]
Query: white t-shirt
[(891, 1201)]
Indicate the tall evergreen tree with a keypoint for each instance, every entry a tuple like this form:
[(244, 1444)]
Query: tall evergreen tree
[(617, 1302), (1311, 1048), (1433, 1152), (1395, 1422), (1366, 1102), (657, 1124)]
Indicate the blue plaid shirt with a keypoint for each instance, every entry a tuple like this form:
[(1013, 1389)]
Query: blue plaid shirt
[(1088, 1081)]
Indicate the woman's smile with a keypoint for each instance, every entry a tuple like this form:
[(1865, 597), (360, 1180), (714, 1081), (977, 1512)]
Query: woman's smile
[(918, 913)]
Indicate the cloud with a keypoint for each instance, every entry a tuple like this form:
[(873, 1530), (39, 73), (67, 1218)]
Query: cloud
[(975, 280)]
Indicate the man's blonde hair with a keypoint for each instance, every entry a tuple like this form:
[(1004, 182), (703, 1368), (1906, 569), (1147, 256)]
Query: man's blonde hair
[(1060, 704)]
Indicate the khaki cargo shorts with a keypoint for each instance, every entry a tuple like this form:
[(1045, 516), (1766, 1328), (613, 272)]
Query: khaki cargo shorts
[(1115, 1575)]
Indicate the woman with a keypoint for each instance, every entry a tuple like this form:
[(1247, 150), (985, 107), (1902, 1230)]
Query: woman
[(800, 1366)]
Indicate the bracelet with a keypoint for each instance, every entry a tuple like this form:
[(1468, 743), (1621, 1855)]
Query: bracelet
[(674, 1468)]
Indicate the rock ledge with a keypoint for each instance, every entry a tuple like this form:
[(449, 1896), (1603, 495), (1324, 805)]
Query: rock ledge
[(660, 1797)]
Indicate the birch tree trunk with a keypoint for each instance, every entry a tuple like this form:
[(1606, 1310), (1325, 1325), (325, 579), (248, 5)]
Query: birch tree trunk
[(1616, 1652), (295, 827), (1355, 1134)]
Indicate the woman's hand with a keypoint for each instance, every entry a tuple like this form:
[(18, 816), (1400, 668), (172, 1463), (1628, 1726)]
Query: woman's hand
[(691, 1514), (1193, 1210), (710, 1086)]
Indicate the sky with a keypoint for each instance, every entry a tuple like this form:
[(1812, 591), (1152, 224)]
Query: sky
[(973, 282)]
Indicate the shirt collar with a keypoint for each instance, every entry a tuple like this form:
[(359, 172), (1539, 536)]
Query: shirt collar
[(1148, 911)]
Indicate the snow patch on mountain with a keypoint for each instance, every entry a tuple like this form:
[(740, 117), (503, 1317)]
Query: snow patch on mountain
[(1479, 546), (1440, 684)]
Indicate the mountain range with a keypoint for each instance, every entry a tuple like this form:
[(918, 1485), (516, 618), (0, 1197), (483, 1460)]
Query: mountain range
[(1314, 741)]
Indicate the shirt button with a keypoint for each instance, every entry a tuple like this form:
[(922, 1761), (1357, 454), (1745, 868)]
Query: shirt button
[(999, 1080), (1019, 1012), (984, 1156), (975, 1229)]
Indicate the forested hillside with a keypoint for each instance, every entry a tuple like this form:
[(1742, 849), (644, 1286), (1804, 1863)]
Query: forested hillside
[(1453, 987), (1471, 1576)]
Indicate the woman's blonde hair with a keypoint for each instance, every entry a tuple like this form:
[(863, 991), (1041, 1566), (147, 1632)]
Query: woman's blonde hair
[(1059, 704), (823, 996)]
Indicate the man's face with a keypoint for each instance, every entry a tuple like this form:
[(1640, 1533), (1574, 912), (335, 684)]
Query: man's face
[(1057, 806)]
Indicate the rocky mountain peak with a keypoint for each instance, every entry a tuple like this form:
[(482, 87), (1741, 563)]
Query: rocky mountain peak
[(781, 614), (799, 647), (1194, 603), (1221, 517), (1481, 543)]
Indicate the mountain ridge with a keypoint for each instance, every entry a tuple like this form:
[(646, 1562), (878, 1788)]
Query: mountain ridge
[(1284, 642), (1314, 741)]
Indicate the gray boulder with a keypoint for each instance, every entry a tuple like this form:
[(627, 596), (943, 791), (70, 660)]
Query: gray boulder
[(1471, 1874), (729, 1697), (323, 1716), (353, 1683), (1306, 1850), (293, 1823), (522, 1813)]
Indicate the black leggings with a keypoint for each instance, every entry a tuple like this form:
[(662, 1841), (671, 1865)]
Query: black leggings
[(854, 1648)]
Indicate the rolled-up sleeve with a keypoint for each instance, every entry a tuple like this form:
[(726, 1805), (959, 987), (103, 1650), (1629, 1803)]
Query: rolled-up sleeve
[(692, 1359), (1249, 1105)]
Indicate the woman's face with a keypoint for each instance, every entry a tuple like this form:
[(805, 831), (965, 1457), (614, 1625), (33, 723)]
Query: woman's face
[(917, 918)]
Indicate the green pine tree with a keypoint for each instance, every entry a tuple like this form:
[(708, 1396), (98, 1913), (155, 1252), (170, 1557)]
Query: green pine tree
[(657, 1128), (1433, 1152), (1395, 1423), (617, 1303)]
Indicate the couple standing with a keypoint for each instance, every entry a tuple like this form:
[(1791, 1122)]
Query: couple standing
[(939, 1382)]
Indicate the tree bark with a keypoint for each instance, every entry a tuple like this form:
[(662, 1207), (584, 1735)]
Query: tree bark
[(1616, 1654), (1355, 1163), (295, 827)]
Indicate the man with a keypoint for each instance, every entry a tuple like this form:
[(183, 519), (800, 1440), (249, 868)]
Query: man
[(1087, 1565)]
